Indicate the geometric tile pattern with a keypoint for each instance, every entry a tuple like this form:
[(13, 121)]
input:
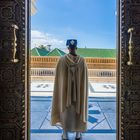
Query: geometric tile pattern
[(101, 115)]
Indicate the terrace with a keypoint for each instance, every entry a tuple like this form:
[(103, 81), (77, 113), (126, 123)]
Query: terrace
[(101, 112)]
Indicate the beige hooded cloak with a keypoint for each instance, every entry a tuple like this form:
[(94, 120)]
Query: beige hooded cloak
[(70, 96)]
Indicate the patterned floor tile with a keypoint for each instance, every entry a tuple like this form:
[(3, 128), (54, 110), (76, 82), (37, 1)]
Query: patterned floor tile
[(101, 117), (36, 119), (111, 119)]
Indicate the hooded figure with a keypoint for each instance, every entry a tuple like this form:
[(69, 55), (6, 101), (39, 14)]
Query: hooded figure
[(70, 95)]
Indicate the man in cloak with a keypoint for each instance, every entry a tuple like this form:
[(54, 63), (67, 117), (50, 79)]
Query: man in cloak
[(70, 95)]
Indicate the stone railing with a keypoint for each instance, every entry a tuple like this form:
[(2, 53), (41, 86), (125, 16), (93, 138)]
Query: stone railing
[(42, 71), (98, 75), (101, 73)]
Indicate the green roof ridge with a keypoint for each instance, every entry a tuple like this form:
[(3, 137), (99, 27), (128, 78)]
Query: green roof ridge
[(39, 52), (43, 51), (60, 51), (34, 52), (56, 52)]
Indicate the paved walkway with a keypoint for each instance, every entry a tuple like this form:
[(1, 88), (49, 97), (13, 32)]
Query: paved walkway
[(101, 119), (95, 89)]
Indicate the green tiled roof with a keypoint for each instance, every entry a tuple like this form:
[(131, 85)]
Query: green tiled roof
[(84, 52), (39, 52), (56, 52), (94, 52)]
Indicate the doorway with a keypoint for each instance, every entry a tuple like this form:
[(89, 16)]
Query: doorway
[(49, 45)]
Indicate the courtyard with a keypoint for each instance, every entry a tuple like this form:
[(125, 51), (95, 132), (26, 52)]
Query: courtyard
[(101, 112)]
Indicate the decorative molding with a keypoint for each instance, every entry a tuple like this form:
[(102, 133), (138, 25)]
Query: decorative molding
[(130, 75), (12, 75)]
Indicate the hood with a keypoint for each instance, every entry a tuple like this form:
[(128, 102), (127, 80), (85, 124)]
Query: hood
[(72, 60)]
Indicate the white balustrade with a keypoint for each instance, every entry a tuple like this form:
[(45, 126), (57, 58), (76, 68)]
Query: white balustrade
[(91, 72)]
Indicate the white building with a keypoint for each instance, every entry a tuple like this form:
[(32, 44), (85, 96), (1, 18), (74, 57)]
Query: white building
[(33, 7)]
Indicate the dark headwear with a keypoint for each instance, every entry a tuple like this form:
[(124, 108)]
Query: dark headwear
[(72, 43)]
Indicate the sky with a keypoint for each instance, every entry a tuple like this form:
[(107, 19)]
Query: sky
[(91, 22)]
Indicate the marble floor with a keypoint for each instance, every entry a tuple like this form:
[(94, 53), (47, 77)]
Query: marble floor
[(101, 119), (95, 136)]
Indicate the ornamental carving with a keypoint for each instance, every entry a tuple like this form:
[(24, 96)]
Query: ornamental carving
[(7, 12), (12, 75), (130, 75)]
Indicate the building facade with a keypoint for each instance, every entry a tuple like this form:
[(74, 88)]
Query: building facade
[(101, 64), (33, 7)]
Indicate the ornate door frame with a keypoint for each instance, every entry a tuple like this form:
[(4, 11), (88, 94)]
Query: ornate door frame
[(27, 99), (118, 72), (14, 69), (128, 70)]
